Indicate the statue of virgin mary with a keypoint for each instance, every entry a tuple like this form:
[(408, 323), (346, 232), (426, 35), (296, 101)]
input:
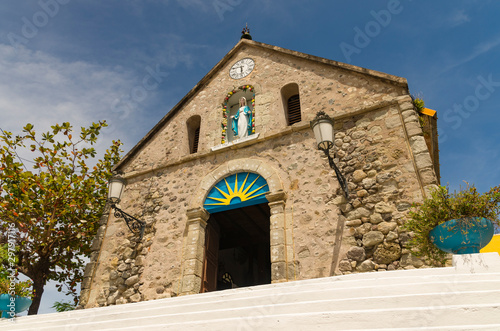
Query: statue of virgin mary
[(242, 121)]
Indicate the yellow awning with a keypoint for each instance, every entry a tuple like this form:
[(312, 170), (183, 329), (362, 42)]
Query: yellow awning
[(429, 112)]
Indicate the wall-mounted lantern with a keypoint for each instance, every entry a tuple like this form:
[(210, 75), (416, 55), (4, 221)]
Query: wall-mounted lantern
[(322, 126), (116, 185)]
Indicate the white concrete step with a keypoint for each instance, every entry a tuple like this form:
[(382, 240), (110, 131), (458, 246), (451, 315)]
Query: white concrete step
[(441, 298)]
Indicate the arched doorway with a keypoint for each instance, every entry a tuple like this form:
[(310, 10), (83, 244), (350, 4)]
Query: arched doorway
[(237, 237), (237, 250), (271, 201)]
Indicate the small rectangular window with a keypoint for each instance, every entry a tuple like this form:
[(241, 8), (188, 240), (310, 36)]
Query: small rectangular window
[(196, 140), (294, 110)]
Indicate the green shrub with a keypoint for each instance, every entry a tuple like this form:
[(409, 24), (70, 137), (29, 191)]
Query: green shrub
[(443, 206)]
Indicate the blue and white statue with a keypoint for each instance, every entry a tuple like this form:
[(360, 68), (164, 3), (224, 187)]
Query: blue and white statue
[(242, 121)]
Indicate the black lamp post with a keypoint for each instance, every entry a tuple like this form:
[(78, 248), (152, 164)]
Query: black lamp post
[(116, 185), (322, 126)]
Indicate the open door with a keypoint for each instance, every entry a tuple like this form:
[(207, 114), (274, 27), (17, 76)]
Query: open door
[(237, 249), (209, 282)]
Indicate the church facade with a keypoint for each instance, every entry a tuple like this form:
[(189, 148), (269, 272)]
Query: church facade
[(235, 192)]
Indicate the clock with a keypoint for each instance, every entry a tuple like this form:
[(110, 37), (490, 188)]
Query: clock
[(242, 68)]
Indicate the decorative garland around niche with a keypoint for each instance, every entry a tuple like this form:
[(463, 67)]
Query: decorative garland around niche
[(225, 111)]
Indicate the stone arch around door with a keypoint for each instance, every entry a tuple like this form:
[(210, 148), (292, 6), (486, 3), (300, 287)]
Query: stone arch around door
[(197, 217)]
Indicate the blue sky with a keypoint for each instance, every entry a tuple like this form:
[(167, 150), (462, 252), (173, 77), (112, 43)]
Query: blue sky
[(85, 60)]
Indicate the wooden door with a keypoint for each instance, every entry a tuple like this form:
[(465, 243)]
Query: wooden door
[(210, 263)]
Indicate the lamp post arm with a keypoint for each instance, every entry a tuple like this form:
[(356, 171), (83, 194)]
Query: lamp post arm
[(135, 225), (340, 177)]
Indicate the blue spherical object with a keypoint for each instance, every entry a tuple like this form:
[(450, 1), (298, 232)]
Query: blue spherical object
[(10, 307), (462, 236)]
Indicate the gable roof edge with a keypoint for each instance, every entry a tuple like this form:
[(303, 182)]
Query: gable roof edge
[(400, 81)]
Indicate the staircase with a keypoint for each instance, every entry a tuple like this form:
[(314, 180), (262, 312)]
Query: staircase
[(463, 297)]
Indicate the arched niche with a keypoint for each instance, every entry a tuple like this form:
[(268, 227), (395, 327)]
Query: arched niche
[(290, 98), (193, 129), (230, 106)]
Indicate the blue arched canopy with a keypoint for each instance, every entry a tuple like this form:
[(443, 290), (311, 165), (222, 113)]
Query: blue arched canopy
[(236, 191)]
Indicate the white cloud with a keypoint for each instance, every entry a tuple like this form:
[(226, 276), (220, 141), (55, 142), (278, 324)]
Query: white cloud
[(41, 89), (478, 50), (458, 17)]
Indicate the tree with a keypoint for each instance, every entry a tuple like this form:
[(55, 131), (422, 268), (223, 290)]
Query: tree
[(55, 203)]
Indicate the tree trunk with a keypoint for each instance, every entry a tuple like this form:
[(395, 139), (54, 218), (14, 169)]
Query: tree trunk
[(38, 284)]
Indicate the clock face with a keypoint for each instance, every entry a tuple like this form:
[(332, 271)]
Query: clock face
[(242, 68)]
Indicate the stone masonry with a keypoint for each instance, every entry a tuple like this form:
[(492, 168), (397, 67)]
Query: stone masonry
[(314, 230)]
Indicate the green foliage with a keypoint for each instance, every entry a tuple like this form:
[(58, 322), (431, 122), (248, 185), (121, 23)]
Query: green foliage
[(419, 104), (63, 306), (443, 206), (23, 288), (54, 204)]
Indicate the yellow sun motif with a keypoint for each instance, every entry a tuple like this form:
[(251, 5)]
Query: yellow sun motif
[(244, 192)]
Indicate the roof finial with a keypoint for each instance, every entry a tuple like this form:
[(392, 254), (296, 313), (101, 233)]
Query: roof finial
[(245, 34)]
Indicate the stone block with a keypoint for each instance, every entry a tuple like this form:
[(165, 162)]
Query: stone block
[(410, 260), (428, 176), (235, 166), (292, 270), (391, 236), (217, 174), (278, 253), (277, 237), (356, 253), (366, 266), (358, 176), (193, 267), (418, 145), (423, 160), (368, 183), (251, 164), (194, 252), (353, 223), (387, 253), (277, 221), (385, 227), (392, 122), (128, 293), (195, 236), (376, 218), (373, 238), (408, 113), (407, 105), (265, 170), (383, 208), (191, 284), (274, 183), (345, 265), (135, 298), (132, 280), (413, 129), (278, 272), (89, 269), (208, 181), (139, 261)]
